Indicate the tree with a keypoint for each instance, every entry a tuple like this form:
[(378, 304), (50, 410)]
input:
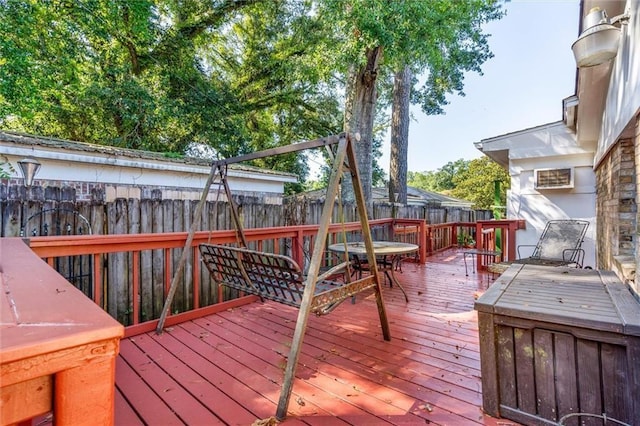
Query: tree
[(438, 36), (422, 180), (400, 136), (121, 73), (441, 180), (237, 75), (476, 183)]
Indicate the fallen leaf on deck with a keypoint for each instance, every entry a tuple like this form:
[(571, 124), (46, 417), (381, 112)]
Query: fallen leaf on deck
[(271, 421), (426, 407)]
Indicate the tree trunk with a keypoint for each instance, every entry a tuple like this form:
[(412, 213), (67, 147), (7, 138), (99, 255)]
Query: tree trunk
[(359, 117), (399, 136)]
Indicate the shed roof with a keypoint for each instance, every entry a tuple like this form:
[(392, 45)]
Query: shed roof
[(45, 142)]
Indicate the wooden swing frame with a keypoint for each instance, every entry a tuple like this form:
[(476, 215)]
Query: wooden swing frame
[(261, 268)]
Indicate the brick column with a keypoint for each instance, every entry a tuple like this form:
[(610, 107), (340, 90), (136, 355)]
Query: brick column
[(616, 190)]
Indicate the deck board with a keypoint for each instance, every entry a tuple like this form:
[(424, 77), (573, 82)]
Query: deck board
[(228, 368)]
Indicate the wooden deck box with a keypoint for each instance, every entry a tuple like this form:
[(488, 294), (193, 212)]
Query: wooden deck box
[(57, 348), (555, 342)]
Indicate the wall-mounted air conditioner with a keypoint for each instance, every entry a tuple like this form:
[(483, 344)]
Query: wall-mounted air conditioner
[(553, 178)]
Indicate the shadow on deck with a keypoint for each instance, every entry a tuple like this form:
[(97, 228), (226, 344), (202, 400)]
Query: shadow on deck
[(228, 368)]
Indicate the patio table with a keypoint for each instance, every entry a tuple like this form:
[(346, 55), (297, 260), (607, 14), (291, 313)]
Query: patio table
[(389, 252)]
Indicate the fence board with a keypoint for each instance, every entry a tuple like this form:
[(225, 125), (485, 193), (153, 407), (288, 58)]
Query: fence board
[(118, 298), (189, 208), (158, 285), (11, 218), (146, 263)]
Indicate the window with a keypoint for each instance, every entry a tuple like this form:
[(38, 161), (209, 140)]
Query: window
[(553, 178)]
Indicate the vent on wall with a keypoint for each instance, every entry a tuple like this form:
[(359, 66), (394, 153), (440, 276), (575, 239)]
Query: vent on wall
[(553, 178)]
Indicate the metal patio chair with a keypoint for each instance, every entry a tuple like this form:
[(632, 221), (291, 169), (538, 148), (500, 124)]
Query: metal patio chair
[(559, 245)]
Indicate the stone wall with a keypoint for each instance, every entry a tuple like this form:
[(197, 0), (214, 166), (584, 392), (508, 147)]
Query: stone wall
[(618, 194), (616, 203), (635, 283)]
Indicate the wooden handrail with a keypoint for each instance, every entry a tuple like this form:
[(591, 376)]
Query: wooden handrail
[(296, 240), (100, 247)]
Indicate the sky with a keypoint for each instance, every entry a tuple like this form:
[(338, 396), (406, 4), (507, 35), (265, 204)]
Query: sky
[(522, 86)]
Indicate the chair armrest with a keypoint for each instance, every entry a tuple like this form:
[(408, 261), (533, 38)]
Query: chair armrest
[(577, 256), (524, 245), (334, 270)]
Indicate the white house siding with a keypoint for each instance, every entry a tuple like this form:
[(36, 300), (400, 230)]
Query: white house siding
[(616, 159), (548, 146), (622, 103)]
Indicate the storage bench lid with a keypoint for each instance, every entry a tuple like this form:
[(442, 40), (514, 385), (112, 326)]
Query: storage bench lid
[(576, 297)]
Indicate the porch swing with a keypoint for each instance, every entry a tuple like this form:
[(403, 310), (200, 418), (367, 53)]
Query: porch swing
[(279, 278)]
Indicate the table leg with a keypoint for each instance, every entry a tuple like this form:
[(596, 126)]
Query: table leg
[(393, 279), (464, 257)]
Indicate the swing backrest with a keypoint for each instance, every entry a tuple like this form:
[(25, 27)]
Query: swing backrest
[(271, 276), (279, 278)]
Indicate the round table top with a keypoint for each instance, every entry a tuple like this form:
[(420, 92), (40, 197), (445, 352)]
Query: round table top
[(379, 247)]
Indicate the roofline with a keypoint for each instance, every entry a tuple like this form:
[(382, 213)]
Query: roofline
[(66, 150), (520, 132)]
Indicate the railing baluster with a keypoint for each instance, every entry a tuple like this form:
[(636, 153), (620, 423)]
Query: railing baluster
[(135, 287), (196, 277)]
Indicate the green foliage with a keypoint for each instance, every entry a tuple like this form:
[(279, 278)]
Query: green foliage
[(5, 167), (236, 75), (442, 180), (422, 180), (476, 183), (441, 39), (471, 180)]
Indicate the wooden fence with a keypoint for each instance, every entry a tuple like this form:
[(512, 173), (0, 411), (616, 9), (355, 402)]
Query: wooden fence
[(58, 215), (55, 214)]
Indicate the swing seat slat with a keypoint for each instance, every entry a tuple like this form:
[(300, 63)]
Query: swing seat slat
[(277, 277)]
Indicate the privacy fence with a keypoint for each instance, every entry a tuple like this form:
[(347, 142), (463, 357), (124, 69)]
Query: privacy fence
[(54, 211), (130, 270)]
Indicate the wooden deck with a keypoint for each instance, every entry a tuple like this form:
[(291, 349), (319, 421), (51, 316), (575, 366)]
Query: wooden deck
[(228, 368)]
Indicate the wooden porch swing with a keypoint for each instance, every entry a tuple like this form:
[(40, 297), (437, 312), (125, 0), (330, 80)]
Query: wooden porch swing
[(279, 278)]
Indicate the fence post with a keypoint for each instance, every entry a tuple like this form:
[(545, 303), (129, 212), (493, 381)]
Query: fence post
[(454, 235), (422, 235)]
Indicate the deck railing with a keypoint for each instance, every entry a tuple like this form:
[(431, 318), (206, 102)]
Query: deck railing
[(131, 273)]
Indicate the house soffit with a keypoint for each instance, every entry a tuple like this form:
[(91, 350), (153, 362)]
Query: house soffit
[(592, 83), (548, 139)]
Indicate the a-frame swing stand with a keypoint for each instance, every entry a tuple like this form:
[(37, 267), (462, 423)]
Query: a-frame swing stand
[(278, 277)]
